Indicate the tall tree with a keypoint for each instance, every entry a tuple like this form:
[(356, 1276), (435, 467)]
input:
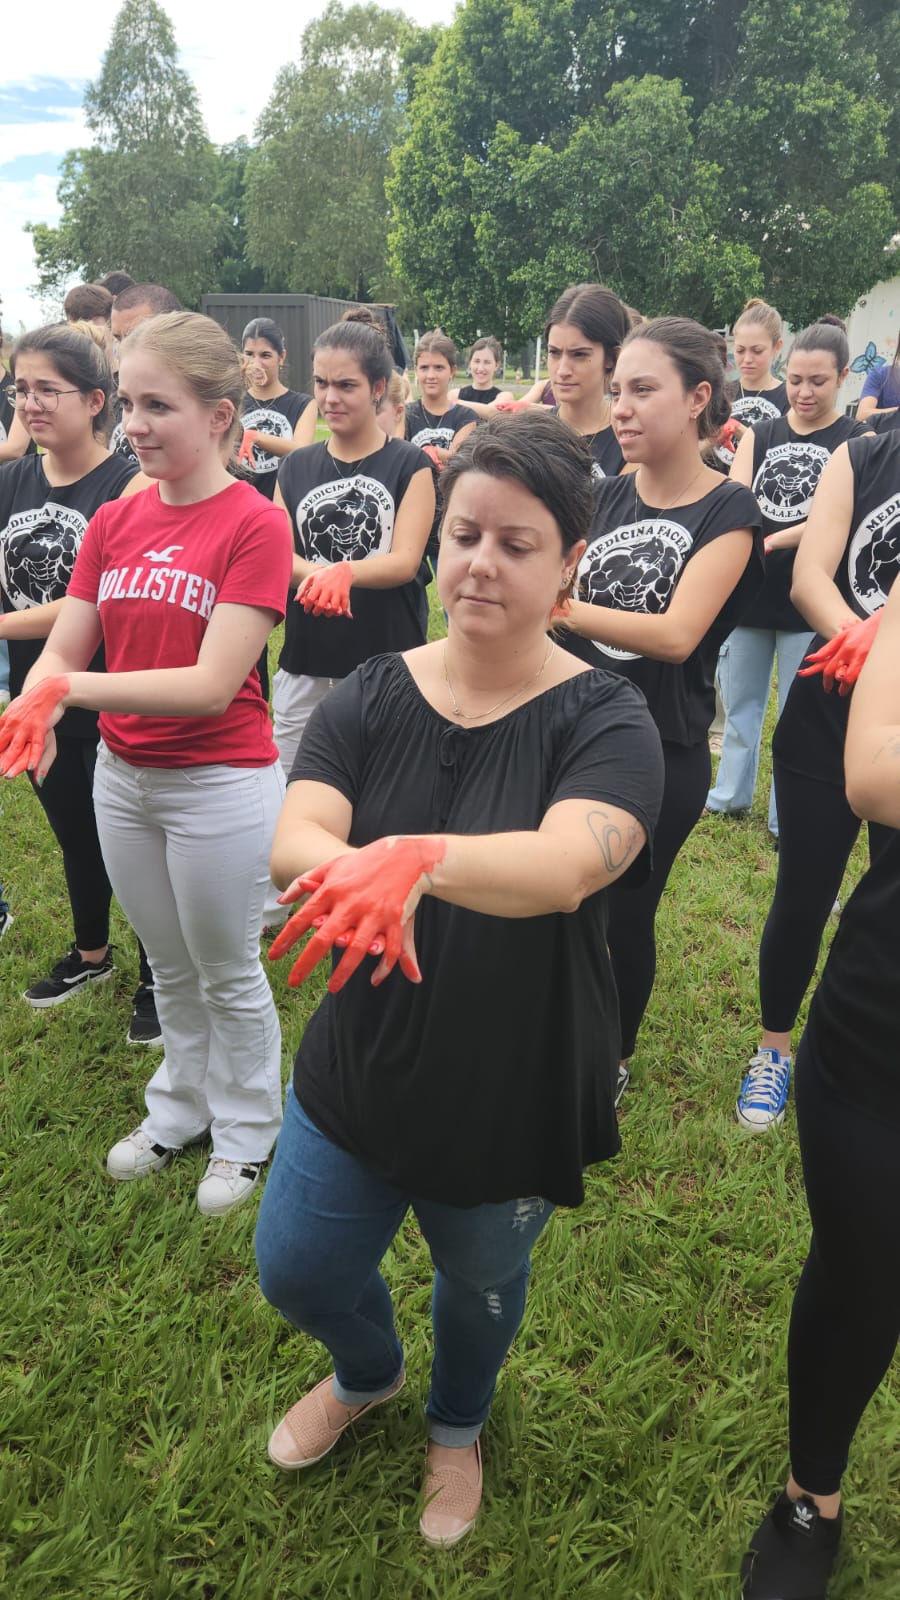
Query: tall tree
[(315, 184), (143, 196), (686, 151)]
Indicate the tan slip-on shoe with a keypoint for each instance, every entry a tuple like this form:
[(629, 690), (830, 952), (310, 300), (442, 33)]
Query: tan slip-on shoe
[(305, 1434), (452, 1503)]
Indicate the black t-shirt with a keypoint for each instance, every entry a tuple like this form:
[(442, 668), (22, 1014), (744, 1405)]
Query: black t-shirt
[(634, 562), (854, 1017), (786, 468), (759, 405), (7, 411), (337, 518), (119, 443), (279, 417), (604, 447), (884, 424), (810, 733), (493, 1078), (483, 396), (422, 427), (41, 529)]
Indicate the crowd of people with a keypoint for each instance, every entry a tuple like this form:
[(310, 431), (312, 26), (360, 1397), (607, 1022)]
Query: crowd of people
[(478, 830)]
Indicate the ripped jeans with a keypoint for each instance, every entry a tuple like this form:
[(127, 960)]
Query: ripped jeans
[(324, 1225)]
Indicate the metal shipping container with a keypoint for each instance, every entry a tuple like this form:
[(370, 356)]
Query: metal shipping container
[(301, 317)]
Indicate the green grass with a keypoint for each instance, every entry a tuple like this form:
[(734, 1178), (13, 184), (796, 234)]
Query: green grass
[(640, 1422)]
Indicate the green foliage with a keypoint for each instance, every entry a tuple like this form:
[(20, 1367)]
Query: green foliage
[(688, 156), (315, 183), (146, 196)]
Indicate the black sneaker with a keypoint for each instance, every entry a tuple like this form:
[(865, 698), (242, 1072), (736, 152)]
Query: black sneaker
[(792, 1553), (144, 1028), (68, 976)]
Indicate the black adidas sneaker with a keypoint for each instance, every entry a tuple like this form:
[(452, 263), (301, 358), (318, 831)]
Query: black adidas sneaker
[(792, 1553)]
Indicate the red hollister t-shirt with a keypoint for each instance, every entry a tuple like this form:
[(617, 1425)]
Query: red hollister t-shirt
[(155, 573)]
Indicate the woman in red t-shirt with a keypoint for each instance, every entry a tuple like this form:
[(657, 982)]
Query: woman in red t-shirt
[(183, 582)]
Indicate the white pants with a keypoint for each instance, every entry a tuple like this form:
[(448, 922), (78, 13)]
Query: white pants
[(294, 699), (187, 852)]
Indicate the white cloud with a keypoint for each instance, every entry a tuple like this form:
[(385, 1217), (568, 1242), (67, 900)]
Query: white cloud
[(232, 60)]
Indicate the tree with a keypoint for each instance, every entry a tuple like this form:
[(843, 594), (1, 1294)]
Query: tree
[(315, 183), (143, 197), (685, 151)]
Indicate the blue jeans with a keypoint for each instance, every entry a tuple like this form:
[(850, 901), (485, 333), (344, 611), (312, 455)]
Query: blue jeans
[(745, 677), (324, 1225), (4, 667)]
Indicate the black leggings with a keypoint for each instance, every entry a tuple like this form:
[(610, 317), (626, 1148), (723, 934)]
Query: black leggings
[(846, 1318), (817, 831), (67, 796), (632, 912)]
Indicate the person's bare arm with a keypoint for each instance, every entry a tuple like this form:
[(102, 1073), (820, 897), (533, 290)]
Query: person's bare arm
[(706, 584), (872, 748), (814, 591)]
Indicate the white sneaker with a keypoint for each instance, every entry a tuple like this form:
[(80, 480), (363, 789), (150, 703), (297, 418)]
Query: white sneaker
[(137, 1156), (225, 1184)]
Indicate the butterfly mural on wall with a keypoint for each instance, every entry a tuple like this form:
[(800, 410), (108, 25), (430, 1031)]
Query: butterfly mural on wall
[(869, 361)]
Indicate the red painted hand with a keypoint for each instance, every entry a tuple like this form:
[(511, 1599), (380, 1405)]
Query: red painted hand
[(245, 452), (510, 406), (431, 451), (26, 723), (842, 658), (362, 898), (326, 592)]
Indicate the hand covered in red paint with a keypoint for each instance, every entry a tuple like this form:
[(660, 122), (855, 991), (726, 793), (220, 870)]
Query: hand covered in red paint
[(362, 898), (841, 660), (431, 451), (326, 592), (25, 725), (510, 406), (245, 452)]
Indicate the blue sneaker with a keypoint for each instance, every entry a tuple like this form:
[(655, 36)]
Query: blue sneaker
[(764, 1091)]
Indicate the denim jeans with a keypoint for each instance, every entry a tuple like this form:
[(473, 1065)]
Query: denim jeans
[(4, 668), (324, 1225), (745, 675)]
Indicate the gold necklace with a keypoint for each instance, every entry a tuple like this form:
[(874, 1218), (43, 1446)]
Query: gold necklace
[(476, 716)]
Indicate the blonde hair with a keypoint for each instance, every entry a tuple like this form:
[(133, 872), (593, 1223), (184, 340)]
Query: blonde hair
[(200, 353), (761, 315), (91, 330), (398, 390)]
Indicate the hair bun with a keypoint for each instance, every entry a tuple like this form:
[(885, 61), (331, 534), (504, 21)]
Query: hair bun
[(831, 321)]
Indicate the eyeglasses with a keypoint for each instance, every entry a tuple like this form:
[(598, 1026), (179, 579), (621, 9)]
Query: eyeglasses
[(44, 399)]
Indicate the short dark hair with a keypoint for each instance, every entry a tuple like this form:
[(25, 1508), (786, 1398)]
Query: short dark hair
[(265, 328), (153, 295), (78, 359), (365, 341), (116, 282), (437, 343), (86, 301), (542, 453), (692, 348)]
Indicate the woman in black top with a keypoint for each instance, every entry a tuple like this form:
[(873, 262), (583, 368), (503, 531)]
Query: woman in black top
[(781, 460), (846, 1316), (844, 570), (583, 336), (62, 385), (276, 419), (675, 555), (494, 779), (758, 395), (482, 394), (436, 422)]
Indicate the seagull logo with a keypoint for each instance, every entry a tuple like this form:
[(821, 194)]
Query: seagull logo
[(168, 554)]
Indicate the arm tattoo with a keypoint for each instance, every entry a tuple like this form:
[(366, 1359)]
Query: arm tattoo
[(616, 848)]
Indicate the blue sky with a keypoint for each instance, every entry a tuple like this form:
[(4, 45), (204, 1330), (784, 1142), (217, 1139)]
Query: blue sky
[(52, 52)]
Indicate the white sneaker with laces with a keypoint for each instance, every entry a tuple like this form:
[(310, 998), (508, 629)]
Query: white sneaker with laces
[(137, 1156), (226, 1184)]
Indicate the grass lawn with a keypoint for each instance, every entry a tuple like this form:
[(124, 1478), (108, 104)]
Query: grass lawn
[(640, 1422)]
